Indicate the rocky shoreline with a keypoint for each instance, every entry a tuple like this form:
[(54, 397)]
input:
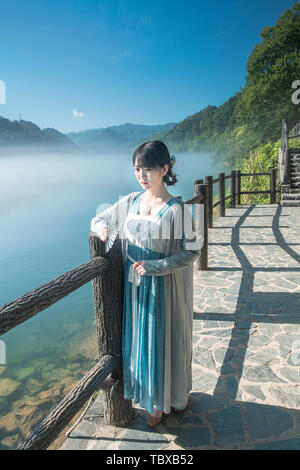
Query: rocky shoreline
[(27, 394)]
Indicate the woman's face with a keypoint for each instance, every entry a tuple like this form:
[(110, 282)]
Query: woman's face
[(150, 178)]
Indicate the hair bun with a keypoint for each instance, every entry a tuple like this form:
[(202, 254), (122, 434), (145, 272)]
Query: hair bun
[(172, 160), (170, 177)]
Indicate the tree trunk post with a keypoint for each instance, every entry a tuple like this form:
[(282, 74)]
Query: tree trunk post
[(272, 185), (285, 150), (285, 135), (108, 292), (232, 188), (238, 187), (222, 194), (209, 183), (287, 166), (202, 189)]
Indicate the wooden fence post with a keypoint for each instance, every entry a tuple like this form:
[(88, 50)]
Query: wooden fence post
[(108, 294), (287, 166), (202, 189), (272, 185), (232, 188), (238, 187), (209, 183), (285, 150), (222, 194), (285, 135)]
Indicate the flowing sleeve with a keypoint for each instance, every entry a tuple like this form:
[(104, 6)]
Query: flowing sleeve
[(112, 217), (191, 244), (104, 219)]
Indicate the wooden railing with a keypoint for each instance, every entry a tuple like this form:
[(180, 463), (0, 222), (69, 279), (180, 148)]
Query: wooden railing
[(105, 270), (235, 178)]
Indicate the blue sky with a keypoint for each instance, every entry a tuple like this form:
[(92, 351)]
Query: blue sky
[(79, 64)]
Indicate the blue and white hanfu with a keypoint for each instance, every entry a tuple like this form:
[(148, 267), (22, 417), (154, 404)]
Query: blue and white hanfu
[(158, 306)]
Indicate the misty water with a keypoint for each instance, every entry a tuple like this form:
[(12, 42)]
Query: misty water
[(46, 204)]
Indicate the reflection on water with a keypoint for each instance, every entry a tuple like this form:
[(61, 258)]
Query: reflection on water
[(46, 204)]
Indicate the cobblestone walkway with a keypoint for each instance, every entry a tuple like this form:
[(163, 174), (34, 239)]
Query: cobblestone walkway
[(246, 364)]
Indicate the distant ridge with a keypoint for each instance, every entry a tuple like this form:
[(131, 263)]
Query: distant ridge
[(124, 137), (26, 133), (59, 137)]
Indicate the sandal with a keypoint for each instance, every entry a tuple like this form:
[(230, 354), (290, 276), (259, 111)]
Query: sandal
[(153, 421)]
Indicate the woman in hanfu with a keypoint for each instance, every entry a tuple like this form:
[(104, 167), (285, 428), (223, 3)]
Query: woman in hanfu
[(159, 245)]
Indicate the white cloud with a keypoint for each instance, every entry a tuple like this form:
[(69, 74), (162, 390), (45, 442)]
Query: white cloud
[(77, 113)]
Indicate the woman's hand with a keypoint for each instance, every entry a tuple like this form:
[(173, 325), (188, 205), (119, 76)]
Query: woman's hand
[(138, 265), (104, 234)]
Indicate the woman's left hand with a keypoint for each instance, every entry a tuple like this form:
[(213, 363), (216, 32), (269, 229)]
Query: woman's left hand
[(138, 265)]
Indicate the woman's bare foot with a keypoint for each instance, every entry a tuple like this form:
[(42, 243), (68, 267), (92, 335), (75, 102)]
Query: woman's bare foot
[(155, 419)]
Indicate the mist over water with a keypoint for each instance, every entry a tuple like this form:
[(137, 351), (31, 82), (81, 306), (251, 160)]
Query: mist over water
[(46, 204)]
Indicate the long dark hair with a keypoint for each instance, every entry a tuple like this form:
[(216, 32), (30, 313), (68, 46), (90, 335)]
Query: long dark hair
[(155, 153)]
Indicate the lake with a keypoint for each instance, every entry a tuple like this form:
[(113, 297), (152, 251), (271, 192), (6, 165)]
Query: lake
[(46, 204)]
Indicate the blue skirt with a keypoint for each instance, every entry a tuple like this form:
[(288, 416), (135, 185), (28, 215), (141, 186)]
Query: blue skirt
[(143, 334)]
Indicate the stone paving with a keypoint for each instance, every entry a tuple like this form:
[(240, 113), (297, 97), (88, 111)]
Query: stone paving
[(246, 362)]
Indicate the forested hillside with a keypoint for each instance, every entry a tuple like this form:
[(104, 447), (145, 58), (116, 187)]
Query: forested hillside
[(253, 116), (25, 133)]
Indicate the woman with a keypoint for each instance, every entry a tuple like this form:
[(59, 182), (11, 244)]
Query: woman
[(159, 246)]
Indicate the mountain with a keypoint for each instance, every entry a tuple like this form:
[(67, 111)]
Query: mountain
[(60, 138), (122, 138), (25, 133), (102, 138), (21, 133), (135, 132), (198, 132)]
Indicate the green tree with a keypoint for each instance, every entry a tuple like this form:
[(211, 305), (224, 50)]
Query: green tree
[(272, 67)]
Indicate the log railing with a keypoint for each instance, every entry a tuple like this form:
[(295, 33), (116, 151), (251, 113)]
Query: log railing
[(45, 433), (235, 178), (105, 270), (25, 307)]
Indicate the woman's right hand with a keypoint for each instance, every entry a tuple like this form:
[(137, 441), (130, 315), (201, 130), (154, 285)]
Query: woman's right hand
[(104, 234)]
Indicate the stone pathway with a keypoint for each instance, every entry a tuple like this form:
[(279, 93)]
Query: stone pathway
[(246, 363)]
